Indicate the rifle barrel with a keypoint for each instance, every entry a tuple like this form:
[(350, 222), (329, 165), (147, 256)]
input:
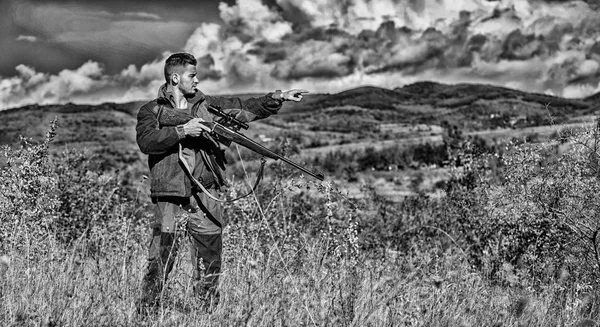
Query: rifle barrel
[(244, 141), (318, 176)]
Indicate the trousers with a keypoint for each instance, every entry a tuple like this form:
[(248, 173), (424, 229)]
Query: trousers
[(177, 218)]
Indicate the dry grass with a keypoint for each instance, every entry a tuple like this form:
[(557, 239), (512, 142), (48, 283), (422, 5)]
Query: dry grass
[(279, 269), (278, 284)]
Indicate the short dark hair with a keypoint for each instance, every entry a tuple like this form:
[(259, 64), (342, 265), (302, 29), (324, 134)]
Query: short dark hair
[(178, 60)]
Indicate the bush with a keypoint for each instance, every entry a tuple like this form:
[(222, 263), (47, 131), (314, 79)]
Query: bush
[(53, 202), (551, 201), (528, 210), (538, 213)]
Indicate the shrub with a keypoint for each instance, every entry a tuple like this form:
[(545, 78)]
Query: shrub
[(53, 202), (537, 212), (528, 210), (551, 200)]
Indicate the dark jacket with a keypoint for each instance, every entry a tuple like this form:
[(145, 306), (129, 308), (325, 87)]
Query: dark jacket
[(161, 144)]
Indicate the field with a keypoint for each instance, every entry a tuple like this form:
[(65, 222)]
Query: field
[(425, 224)]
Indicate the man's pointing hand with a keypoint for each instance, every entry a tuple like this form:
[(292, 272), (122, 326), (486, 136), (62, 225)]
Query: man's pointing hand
[(293, 95)]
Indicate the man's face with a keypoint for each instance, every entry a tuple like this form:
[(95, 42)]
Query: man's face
[(188, 81)]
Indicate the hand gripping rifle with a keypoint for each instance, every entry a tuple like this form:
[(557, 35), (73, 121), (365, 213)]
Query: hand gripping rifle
[(226, 130)]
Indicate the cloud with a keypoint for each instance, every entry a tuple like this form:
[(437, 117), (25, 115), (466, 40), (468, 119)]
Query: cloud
[(578, 90), (143, 75), (35, 87), (28, 38), (206, 68), (329, 46), (252, 19), (512, 43), (207, 40), (141, 14), (315, 58), (229, 57), (30, 77), (100, 33), (587, 68), (355, 16)]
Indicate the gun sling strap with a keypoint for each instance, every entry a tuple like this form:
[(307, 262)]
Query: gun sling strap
[(196, 182)]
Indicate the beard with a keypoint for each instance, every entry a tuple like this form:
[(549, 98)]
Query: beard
[(189, 92)]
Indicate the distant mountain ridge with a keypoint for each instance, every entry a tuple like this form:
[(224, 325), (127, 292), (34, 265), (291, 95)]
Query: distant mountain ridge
[(434, 94), (425, 92), (472, 106)]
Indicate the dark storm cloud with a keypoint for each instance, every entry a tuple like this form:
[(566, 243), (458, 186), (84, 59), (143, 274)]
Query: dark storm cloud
[(474, 44), (113, 37), (316, 52), (330, 45), (206, 68)]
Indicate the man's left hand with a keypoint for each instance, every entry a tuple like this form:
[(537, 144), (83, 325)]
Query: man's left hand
[(293, 95)]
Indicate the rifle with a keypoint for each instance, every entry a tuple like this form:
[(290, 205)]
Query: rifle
[(226, 130)]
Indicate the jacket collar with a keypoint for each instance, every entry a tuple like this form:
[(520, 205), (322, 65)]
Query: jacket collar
[(165, 94)]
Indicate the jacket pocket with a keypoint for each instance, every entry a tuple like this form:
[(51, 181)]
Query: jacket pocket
[(167, 177)]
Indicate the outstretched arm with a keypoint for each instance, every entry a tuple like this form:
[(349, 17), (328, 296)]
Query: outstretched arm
[(295, 95), (256, 108)]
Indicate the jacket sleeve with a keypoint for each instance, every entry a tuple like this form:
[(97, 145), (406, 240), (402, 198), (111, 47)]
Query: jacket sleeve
[(150, 138), (247, 110)]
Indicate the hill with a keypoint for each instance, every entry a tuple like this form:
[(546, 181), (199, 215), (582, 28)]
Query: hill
[(470, 106), (361, 115)]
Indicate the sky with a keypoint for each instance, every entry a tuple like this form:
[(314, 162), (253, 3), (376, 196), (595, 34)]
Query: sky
[(85, 51)]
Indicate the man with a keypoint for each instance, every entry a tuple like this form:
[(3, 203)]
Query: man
[(181, 157)]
